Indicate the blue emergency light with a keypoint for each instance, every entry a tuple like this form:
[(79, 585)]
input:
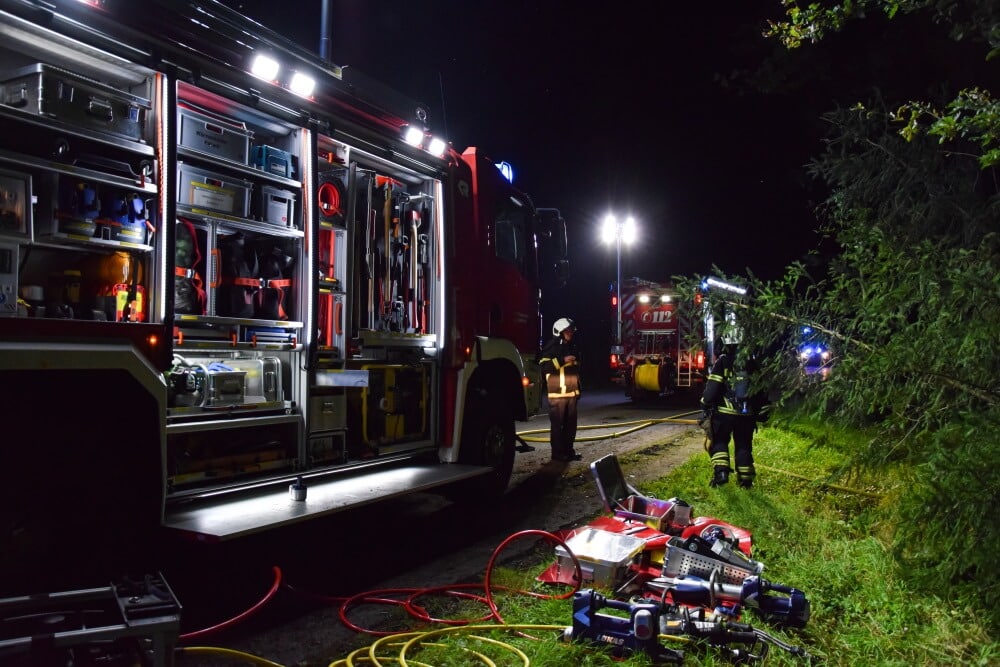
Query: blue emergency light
[(506, 170)]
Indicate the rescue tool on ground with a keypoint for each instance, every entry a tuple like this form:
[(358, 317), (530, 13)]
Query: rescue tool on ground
[(240, 268), (672, 574)]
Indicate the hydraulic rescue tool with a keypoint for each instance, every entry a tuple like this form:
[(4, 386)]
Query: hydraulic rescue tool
[(637, 633), (719, 630), (791, 609)]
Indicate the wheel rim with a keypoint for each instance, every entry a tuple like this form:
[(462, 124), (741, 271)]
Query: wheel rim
[(494, 445)]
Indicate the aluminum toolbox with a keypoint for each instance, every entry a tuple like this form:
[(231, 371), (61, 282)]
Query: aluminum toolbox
[(263, 378), (213, 135), (260, 380), (604, 556), (276, 206), (50, 91), (225, 388), (623, 500), (207, 191)]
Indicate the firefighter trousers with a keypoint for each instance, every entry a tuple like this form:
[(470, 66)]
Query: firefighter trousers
[(740, 430), (562, 419)]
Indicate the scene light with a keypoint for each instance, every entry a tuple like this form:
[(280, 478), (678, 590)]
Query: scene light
[(265, 67), (729, 287), (302, 85), (413, 136), (643, 298), (665, 298), (437, 147), (613, 231)]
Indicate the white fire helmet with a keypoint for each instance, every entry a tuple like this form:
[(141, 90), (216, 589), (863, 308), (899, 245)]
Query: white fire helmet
[(561, 325)]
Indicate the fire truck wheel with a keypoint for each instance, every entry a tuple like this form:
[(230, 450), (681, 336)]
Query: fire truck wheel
[(487, 440)]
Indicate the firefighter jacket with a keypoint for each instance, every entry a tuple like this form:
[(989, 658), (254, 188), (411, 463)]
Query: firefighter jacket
[(562, 378), (728, 391)]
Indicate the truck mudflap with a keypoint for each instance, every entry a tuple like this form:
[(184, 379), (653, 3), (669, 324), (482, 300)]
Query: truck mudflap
[(230, 516)]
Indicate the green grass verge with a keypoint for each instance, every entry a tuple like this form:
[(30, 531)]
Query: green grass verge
[(822, 532)]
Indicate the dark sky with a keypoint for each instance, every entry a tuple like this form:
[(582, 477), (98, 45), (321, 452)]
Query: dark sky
[(610, 107)]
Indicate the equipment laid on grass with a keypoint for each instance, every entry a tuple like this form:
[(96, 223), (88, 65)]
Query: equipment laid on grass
[(690, 576), (792, 609), (637, 633)]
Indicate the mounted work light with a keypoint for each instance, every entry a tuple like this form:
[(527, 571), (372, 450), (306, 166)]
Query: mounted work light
[(265, 67), (302, 85), (437, 147), (413, 136)]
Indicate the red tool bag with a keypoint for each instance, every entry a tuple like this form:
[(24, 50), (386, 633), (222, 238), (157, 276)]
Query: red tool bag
[(189, 289), (240, 279), (269, 302)]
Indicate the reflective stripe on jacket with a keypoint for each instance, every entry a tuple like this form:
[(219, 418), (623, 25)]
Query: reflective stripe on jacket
[(562, 378)]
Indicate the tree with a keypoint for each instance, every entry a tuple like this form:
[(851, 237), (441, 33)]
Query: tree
[(910, 294)]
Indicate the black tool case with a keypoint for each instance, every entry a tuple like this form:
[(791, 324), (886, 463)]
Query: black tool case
[(72, 98)]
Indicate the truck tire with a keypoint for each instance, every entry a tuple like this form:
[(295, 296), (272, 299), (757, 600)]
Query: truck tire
[(487, 440)]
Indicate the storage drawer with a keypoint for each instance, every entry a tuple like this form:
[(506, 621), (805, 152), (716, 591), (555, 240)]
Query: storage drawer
[(327, 447), (215, 136), (327, 413), (276, 206), (50, 91), (208, 191)]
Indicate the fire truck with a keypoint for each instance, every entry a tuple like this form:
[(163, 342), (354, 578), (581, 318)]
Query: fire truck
[(241, 287), (657, 356)]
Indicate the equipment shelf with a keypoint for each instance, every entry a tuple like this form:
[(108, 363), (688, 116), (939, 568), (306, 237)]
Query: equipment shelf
[(231, 222), (216, 162), (10, 114)]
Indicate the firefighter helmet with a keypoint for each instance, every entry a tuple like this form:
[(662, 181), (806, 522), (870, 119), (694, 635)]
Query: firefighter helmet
[(561, 325)]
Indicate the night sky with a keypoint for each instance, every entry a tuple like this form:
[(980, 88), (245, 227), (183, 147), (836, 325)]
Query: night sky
[(641, 108), (619, 109)]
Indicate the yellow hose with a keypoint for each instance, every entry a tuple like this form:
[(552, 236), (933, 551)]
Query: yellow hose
[(227, 652), (408, 641), (637, 425)]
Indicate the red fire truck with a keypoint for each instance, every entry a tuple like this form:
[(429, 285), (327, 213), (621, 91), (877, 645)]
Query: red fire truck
[(656, 357), (241, 286)]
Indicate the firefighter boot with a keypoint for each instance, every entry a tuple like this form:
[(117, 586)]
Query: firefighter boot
[(721, 476), (745, 476)]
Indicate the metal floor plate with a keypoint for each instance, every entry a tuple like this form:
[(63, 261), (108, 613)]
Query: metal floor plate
[(270, 507)]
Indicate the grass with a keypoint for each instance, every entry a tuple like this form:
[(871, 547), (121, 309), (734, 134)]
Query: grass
[(814, 529)]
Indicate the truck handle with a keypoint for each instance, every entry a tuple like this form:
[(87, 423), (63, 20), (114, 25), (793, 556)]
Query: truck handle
[(101, 109), (215, 255)]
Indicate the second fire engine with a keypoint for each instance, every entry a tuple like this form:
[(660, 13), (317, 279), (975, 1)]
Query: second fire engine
[(656, 357)]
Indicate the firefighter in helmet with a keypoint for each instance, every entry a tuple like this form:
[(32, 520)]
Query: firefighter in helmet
[(559, 360), (731, 412)]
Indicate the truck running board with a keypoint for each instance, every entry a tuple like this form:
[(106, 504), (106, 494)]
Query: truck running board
[(227, 516)]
